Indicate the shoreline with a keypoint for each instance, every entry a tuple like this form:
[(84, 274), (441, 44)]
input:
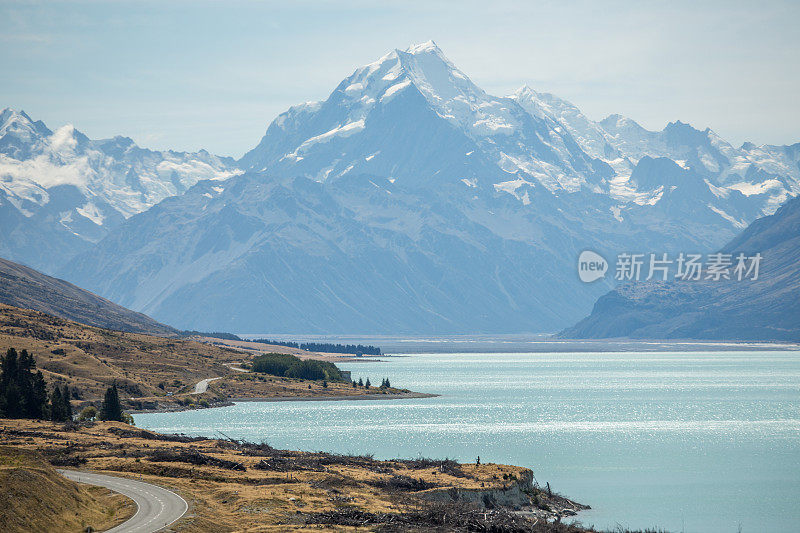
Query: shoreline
[(232, 401), (248, 486), (400, 396)]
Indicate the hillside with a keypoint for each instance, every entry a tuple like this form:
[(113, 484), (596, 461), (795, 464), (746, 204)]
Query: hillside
[(156, 372), (765, 309), (24, 287), (34, 497)]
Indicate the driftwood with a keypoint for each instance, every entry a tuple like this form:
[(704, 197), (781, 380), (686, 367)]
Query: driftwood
[(194, 457), (442, 517)]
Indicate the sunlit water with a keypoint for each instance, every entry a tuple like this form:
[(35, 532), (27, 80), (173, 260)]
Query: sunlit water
[(681, 441)]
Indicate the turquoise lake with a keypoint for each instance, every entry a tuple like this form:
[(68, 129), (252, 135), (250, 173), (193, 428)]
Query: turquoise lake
[(683, 441)]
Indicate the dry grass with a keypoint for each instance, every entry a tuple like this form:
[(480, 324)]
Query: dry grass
[(284, 495), (35, 497), (150, 372)]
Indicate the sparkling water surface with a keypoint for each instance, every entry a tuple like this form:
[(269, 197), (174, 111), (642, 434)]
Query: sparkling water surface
[(684, 441)]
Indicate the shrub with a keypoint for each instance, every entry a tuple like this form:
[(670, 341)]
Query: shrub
[(88, 413)]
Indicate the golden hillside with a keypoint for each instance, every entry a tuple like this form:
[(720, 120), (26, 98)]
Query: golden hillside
[(34, 497), (151, 372)]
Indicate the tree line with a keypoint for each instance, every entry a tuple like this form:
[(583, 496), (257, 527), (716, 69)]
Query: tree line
[(286, 365), (23, 393), (358, 349), (385, 384)]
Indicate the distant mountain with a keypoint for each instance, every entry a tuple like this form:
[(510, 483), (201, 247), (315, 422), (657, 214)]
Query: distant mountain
[(411, 201), (24, 287), (60, 191), (765, 309)]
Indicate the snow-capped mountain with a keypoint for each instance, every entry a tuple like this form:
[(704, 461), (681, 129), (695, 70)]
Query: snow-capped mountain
[(61, 191), (411, 201), (765, 175), (492, 141)]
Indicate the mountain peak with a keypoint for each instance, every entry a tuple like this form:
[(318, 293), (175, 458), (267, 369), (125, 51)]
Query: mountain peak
[(10, 115), (423, 48), (527, 93), (422, 65)]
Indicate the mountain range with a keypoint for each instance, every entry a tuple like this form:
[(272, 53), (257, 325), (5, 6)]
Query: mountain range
[(409, 201), (61, 192), (766, 308)]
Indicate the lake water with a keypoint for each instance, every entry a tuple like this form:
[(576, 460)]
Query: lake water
[(684, 441)]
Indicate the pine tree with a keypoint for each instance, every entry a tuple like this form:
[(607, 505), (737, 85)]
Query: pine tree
[(360, 382), (39, 404), (23, 394), (367, 384), (9, 390), (67, 405), (388, 385), (355, 384), (57, 413), (111, 408)]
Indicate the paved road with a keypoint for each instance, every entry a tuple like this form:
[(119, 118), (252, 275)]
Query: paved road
[(157, 507), (202, 386)]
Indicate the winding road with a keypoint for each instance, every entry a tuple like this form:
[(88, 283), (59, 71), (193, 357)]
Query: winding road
[(202, 386), (157, 506)]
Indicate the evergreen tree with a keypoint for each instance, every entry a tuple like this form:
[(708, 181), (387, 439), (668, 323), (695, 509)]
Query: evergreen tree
[(57, 413), (388, 385), (360, 382), (67, 405), (23, 394), (367, 384), (355, 384), (39, 407), (111, 408)]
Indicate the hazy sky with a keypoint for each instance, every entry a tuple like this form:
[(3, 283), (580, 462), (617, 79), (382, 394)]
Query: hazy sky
[(194, 74)]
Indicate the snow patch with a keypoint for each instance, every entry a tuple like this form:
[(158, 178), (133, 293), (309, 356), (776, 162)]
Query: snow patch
[(739, 224), (346, 130), (749, 189), (719, 192), (387, 96), (354, 88), (90, 211)]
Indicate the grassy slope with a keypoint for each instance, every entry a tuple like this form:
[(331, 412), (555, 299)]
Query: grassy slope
[(35, 498), (89, 359), (24, 287)]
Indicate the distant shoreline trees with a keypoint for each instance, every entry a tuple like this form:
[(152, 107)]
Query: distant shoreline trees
[(357, 349)]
